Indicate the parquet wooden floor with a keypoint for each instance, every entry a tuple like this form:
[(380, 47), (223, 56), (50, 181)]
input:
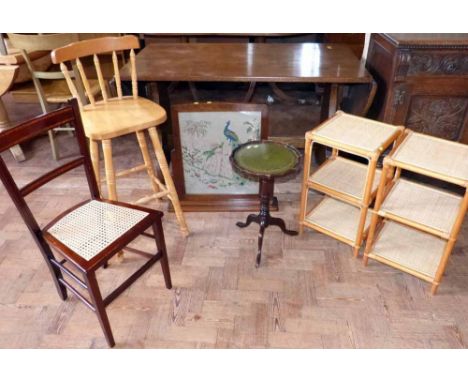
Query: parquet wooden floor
[(308, 293)]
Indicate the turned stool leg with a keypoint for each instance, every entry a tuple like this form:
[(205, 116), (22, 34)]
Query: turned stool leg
[(110, 177), (109, 166), (147, 159), (168, 179), (94, 153)]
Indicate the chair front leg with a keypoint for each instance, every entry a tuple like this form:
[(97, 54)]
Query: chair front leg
[(100, 309)]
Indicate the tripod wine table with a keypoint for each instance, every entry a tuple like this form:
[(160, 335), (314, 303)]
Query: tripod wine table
[(265, 161)]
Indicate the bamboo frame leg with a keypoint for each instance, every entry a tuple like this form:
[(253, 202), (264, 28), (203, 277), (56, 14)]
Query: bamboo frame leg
[(168, 180), (441, 269), (161, 244), (360, 231), (305, 190), (96, 298), (147, 159), (365, 204), (450, 243), (375, 216), (109, 166), (94, 152)]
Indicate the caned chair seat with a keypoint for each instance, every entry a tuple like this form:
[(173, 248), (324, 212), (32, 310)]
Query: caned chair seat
[(94, 226), (116, 117), (55, 91)]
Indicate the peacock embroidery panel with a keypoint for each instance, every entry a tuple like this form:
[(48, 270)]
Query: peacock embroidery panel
[(207, 141)]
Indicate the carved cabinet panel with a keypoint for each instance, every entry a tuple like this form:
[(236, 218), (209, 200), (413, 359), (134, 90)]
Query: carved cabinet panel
[(422, 82), (443, 117), (434, 63)]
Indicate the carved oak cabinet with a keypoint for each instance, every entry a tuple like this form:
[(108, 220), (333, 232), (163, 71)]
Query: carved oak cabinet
[(422, 82)]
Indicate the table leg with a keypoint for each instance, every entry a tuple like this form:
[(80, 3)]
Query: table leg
[(266, 193), (251, 218), (166, 127), (333, 100), (250, 92), (281, 224), (330, 104), (260, 243), (264, 219)]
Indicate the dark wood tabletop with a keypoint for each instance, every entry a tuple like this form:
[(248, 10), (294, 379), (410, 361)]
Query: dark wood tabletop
[(303, 62)]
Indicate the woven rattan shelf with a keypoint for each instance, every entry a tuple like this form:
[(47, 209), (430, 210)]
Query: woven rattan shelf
[(410, 250), (323, 219), (435, 216), (354, 134), (429, 209), (345, 179), (433, 157)]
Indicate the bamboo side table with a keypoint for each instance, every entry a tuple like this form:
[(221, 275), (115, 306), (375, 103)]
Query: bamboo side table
[(414, 226), (349, 186)]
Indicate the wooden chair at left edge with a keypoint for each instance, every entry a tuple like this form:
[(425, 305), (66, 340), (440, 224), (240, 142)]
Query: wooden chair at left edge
[(7, 77), (49, 88), (87, 235)]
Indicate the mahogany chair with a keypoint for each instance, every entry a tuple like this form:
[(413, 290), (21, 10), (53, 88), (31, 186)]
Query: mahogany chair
[(113, 117), (89, 234), (48, 87)]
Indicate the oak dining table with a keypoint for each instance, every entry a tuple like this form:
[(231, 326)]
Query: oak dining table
[(334, 66)]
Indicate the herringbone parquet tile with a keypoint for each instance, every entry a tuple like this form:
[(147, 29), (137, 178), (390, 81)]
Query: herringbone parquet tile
[(309, 292)]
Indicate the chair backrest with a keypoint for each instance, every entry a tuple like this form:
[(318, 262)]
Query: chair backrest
[(30, 129), (28, 43), (74, 52), (37, 42), (7, 76)]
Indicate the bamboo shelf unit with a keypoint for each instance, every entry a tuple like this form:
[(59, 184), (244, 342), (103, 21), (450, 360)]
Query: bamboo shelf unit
[(415, 226), (349, 186)]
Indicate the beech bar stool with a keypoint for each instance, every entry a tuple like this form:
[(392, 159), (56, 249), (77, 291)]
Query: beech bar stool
[(113, 117), (264, 161)]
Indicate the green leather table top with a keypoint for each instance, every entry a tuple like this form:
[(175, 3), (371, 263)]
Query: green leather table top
[(266, 158)]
